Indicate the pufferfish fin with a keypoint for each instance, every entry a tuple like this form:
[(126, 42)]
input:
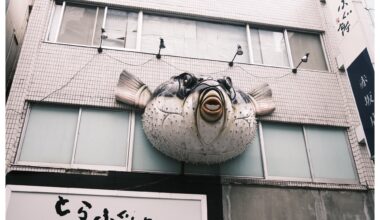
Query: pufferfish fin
[(262, 99), (132, 91)]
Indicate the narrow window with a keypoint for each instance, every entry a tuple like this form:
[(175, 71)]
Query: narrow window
[(98, 27), (54, 26), (285, 150), (329, 153), (302, 43), (121, 29), (269, 47), (77, 25), (102, 137), (50, 134)]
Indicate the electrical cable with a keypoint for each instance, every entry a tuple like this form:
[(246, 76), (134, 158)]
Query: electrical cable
[(149, 60)]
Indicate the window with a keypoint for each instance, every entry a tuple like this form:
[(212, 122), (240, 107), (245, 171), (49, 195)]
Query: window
[(146, 158), (246, 164), (279, 152), (82, 24), (317, 153), (121, 29), (269, 47), (329, 153), (301, 43), (192, 38), (78, 25), (285, 150), (76, 136)]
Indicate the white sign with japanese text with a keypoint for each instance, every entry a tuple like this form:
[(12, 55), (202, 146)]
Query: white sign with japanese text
[(30, 202), (348, 29)]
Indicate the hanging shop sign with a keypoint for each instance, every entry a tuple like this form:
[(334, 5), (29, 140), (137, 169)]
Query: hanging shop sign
[(31, 202), (361, 74), (348, 29), (197, 120)]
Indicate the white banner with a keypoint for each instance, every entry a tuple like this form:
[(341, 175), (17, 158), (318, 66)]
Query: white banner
[(50, 203)]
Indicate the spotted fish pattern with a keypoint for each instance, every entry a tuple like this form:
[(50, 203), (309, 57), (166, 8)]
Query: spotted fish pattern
[(197, 120)]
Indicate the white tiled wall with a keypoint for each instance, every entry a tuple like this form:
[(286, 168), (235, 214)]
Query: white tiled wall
[(79, 75)]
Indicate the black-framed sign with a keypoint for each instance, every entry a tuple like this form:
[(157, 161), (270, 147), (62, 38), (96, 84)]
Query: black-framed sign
[(362, 78)]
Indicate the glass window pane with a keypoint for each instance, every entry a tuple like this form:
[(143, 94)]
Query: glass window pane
[(329, 152), (121, 29), (273, 48), (50, 134), (132, 26), (219, 42), (98, 27), (249, 163), (179, 35), (256, 48), (77, 25), (115, 27), (146, 157), (194, 38), (102, 138), (301, 44), (54, 26), (285, 150)]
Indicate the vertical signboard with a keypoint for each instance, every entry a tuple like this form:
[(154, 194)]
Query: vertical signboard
[(361, 75), (350, 38)]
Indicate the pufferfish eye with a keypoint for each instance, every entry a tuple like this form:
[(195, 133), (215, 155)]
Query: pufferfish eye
[(188, 79), (186, 82)]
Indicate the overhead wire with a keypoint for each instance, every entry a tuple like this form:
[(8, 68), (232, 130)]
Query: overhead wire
[(151, 59)]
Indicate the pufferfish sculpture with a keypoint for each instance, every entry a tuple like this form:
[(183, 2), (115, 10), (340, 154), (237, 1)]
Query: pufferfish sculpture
[(197, 120)]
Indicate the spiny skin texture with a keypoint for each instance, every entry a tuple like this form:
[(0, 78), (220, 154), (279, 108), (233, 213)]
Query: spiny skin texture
[(174, 124)]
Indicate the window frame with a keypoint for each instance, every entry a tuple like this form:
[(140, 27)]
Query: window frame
[(323, 47), (248, 27), (52, 12), (287, 46), (130, 148), (72, 164), (312, 178)]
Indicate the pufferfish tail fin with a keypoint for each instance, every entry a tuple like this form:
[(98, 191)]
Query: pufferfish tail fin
[(132, 91), (262, 99)]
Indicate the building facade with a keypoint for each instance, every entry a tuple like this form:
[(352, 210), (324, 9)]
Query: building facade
[(73, 151)]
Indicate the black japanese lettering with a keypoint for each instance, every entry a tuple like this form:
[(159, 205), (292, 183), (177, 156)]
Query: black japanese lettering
[(58, 206)]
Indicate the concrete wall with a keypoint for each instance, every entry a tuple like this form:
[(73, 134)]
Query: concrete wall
[(267, 203)]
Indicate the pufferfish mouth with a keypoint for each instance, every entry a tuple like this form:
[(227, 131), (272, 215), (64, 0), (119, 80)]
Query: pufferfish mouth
[(211, 106)]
